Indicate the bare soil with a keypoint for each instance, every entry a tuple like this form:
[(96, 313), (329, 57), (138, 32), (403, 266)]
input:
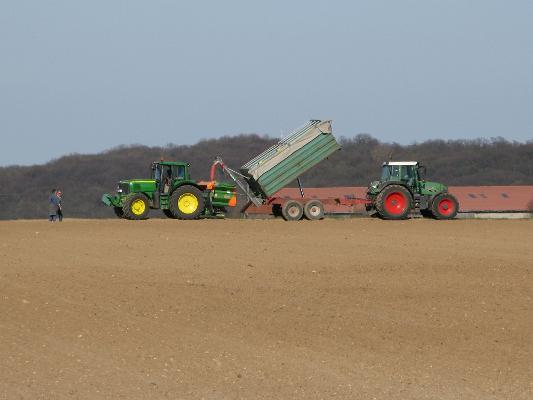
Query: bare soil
[(265, 309)]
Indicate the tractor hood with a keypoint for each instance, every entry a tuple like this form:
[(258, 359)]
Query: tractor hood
[(426, 187), (432, 187), (137, 185)]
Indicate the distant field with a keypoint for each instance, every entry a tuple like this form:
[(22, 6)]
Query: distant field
[(265, 309)]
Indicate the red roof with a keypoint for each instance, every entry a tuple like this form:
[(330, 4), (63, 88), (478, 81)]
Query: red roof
[(471, 198), (494, 198)]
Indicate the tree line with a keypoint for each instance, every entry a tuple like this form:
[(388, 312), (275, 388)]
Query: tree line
[(83, 179)]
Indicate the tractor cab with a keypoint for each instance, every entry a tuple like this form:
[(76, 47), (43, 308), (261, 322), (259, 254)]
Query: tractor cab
[(167, 175), (406, 172), (163, 171)]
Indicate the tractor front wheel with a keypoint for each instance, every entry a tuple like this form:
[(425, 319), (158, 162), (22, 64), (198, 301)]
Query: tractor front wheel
[(187, 202), (445, 206), (394, 202), (292, 211), (136, 206), (119, 212)]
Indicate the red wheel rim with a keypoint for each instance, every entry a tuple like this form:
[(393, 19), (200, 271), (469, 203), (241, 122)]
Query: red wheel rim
[(446, 207), (396, 203)]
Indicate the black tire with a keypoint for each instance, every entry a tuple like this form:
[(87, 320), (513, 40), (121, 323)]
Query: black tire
[(133, 209), (426, 213), (314, 210), (192, 206), (168, 214), (292, 211), (118, 212), (445, 206), (276, 210), (394, 202)]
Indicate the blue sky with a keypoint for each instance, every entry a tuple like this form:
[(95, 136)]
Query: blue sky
[(86, 76)]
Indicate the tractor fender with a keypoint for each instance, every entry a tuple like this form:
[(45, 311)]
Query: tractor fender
[(426, 204), (430, 200), (188, 183)]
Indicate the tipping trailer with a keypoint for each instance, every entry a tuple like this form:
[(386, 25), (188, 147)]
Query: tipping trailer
[(264, 175), (401, 190)]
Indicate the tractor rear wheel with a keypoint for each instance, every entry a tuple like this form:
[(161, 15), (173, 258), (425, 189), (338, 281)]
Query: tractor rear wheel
[(186, 202), (119, 212), (136, 206), (292, 211), (445, 206), (393, 202), (314, 210)]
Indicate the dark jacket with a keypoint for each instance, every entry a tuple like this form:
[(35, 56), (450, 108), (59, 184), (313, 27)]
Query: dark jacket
[(53, 204)]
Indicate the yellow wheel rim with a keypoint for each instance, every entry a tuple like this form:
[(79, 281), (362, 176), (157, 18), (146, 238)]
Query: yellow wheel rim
[(138, 207), (187, 203)]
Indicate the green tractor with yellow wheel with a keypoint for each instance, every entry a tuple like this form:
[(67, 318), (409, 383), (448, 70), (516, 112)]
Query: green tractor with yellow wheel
[(171, 189), (403, 188)]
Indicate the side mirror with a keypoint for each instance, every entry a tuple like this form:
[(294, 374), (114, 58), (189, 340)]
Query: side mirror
[(422, 172)]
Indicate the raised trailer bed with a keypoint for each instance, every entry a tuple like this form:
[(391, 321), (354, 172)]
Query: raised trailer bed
[(264, 175)]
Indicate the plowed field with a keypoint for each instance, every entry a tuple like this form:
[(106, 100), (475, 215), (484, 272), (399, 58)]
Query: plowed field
[(265, 309)]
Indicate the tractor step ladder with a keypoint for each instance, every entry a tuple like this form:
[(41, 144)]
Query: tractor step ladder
[(164, 201)]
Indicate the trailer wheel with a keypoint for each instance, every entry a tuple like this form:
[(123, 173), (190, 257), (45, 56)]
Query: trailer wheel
[(394, 202), (445, 206), (187, 202), (292, 211), (314, 210), (119, 212), (136, 206)]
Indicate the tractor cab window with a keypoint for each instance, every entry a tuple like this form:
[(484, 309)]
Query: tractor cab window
[(390, 172), (180, 172), (166, 172), (161, 172), (408, 172), (156, 172)]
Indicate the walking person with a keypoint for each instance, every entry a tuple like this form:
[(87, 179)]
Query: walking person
[(59, 195), (53, 206)]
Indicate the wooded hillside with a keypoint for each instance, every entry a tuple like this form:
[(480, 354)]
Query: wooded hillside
[(84, 178)]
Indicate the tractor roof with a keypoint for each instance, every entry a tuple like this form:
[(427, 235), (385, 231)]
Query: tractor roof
[(170, 163), (401, 163)]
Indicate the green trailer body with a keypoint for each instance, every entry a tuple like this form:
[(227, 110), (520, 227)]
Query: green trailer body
[(284, 162)]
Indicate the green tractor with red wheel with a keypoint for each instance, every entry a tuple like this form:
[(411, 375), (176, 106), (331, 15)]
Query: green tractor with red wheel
[(403, 188)]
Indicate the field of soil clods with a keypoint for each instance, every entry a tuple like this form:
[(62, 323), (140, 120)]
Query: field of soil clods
[(265, 309)]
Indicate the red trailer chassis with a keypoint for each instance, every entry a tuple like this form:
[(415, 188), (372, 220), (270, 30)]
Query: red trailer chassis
[(294, 208)]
